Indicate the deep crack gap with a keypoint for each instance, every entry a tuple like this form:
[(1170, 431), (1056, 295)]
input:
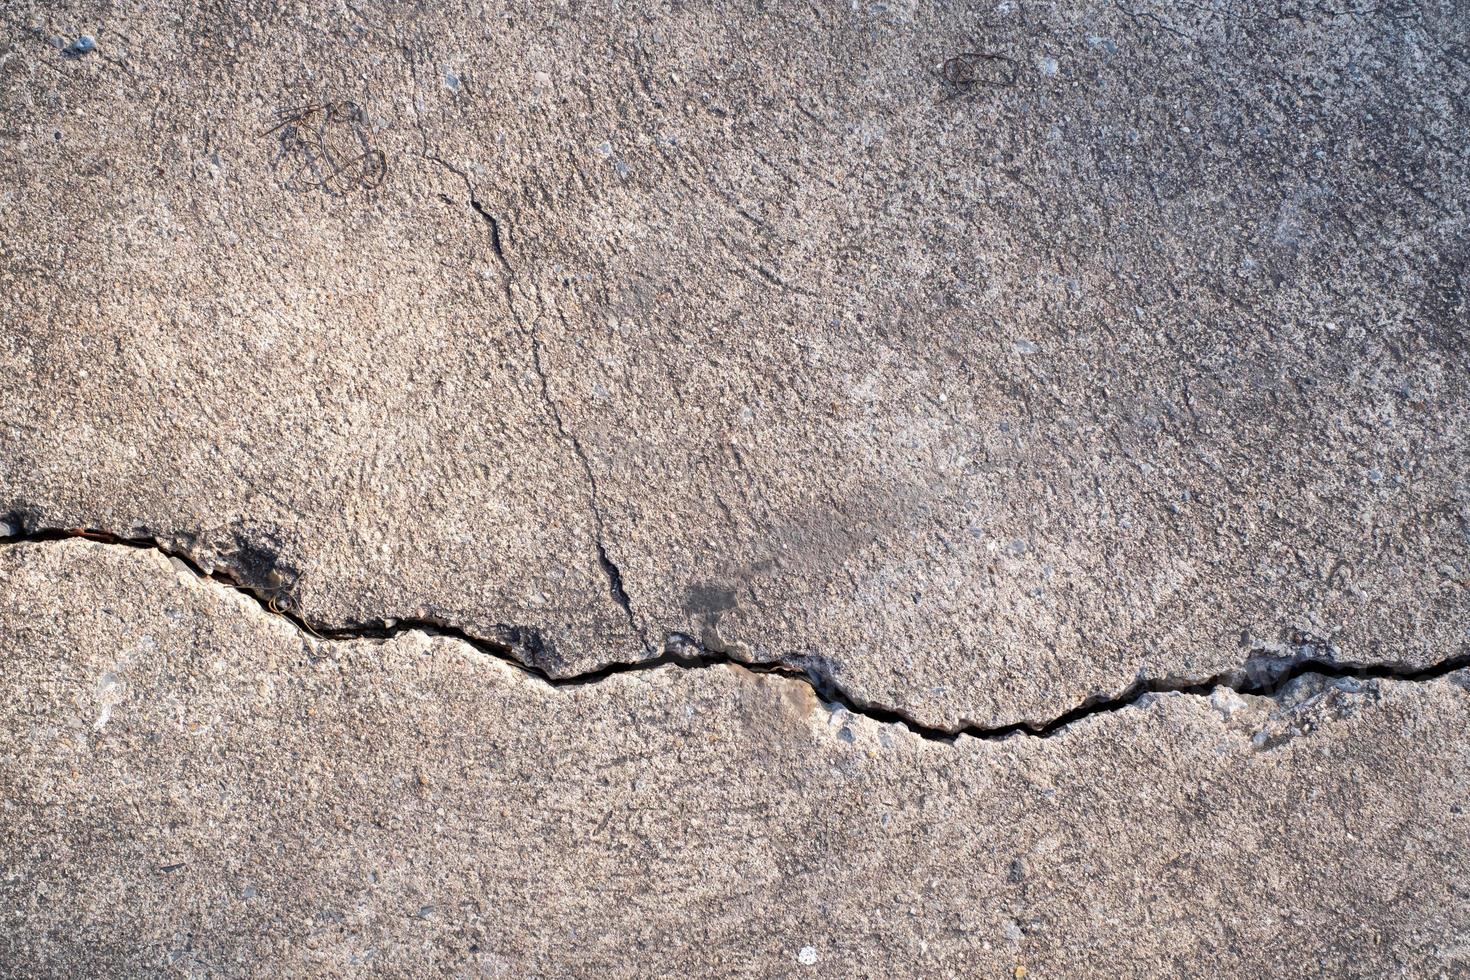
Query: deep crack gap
[(676, 654)]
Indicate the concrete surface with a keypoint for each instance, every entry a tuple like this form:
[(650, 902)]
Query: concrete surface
[(195, 787), (1076, 367), (980, 390)]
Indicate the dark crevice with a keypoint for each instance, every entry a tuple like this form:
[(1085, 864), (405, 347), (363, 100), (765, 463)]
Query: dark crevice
[(686, 653), (494, 230), (614, 580)]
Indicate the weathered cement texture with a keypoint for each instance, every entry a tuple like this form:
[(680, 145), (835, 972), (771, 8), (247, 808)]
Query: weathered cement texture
[(979, 386), (194, 787)]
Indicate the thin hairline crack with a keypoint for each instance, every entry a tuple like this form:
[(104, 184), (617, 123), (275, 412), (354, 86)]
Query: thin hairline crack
[(498, 241), (685, 653)]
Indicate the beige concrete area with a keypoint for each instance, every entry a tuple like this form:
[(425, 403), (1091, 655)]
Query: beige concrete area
[(570, 488)]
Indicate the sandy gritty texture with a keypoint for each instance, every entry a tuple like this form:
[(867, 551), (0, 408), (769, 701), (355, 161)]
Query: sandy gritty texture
[(193, 787), (1137, 350)]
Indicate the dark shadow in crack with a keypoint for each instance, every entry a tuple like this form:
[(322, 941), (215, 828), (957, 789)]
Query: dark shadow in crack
[(523, 646)]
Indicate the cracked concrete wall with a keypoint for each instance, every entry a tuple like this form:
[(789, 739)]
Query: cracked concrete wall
[(985, 368)]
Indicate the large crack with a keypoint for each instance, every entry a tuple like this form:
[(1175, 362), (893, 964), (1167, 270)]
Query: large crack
[(684, 652)]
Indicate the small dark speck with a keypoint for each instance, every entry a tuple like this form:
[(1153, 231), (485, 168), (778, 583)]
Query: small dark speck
[(167, 868)]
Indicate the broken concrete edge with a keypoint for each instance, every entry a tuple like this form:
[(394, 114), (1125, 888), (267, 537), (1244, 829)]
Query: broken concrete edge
[(1270, 677)]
